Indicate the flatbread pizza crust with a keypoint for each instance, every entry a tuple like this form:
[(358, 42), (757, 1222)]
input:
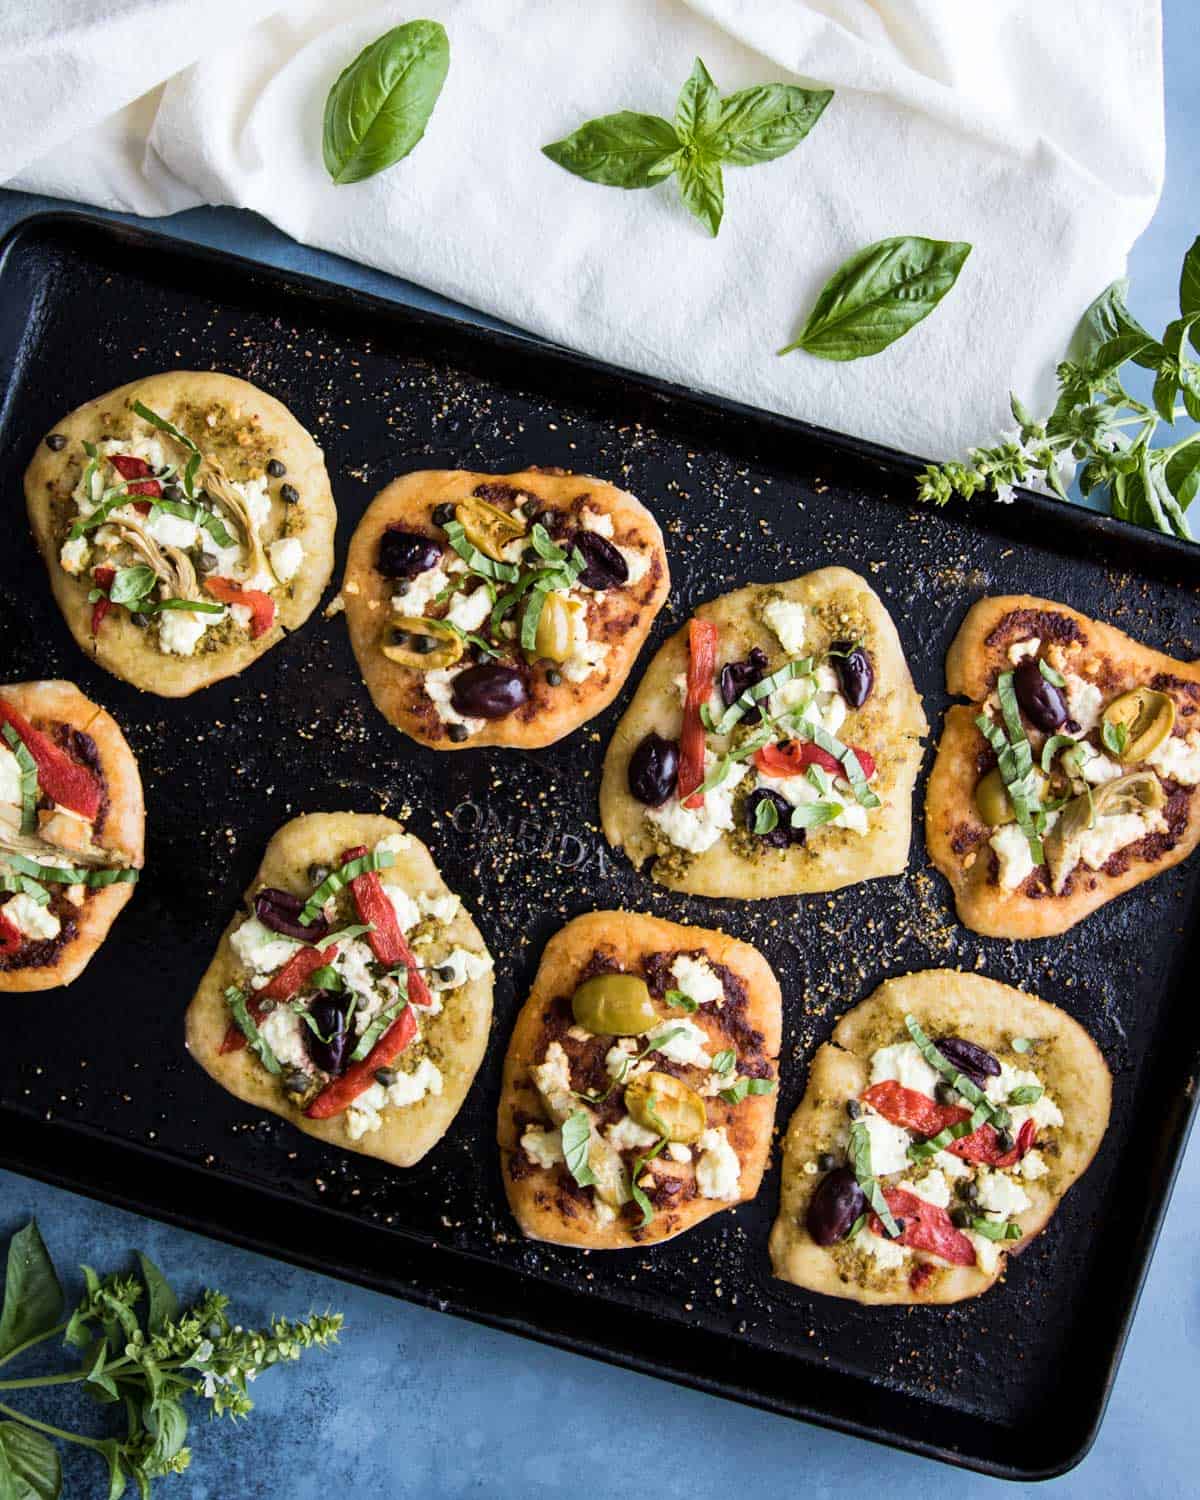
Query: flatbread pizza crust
[(455, 1038), (955, 835), (890, 724), (620, 619), (121, 827), (545, 1201), (248, 428), (944, 1002)]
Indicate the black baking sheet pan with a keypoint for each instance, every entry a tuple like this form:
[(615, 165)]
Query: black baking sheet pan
[(97, 1094)]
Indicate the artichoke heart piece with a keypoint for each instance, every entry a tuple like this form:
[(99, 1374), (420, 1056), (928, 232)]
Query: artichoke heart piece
[(488, 527), (556, 628), (1138, 792), (1146, 716), (424, 645), (663, 1103)]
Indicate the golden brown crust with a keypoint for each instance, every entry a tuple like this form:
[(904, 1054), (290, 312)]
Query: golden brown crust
[(890, 725), (944, 1001), (955, 835), (621, 619), (46, 704), (264, 429), (545, 1201), (455, 1038)]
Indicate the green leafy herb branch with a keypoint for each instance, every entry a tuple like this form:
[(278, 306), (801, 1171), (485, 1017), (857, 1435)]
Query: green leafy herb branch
[(1099, 425), (135, 1348)]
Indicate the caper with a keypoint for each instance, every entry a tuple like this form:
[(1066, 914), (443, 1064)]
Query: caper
[(1146, 716), (289, 494), (529, 509), (318, 874), (488, 527), (553, 677), (1004, 1140), (420, 643), (614, 1005), (457, 733), (968, 1191), (664, 1104), (826, 1161), (56, 442), (443, 514), (853, 1108), (276, 469), (386, 1076), (297, 1081), (172, 492), (960, 1218), (445, 972), (138, 620), (1001, 1119), (556, 628)]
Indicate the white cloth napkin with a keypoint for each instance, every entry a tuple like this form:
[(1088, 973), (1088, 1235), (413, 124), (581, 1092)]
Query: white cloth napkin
[(1034, 130)]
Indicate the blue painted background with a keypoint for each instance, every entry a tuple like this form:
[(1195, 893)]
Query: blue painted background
[(414, 1403)]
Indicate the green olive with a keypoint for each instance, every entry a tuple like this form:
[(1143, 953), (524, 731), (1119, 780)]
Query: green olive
[(1147, 718), (424, 645), (662, 1103), (556, 628), (488, 527), (614, 1005), (992, 802)]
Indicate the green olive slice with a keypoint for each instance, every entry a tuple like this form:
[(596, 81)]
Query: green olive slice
[(1146, 716), (664, 1104), (424, 645), (488, 527), (614, 1005)]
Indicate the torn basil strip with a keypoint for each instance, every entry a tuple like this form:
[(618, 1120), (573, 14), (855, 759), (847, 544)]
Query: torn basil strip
[(235, 999), (337, 880), (969, 1090), (29, 779), (377, 1028), (208, 519), (921, 1150), (65, 876), (844, 754), (479, 562), (1014, 759), (756, 692), (860, 1160), (990, 1230), (195, 457), (638, 1193), (1053, 745)]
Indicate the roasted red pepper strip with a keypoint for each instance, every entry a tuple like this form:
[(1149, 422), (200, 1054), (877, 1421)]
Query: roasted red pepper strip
[(915, 1111), (926, 1227), (104, 580), (794, 757), (984, 1146), (59, 777), (359, 1076), (283, 986), (702, 663), (386, 939), (138, 471), (10, 935), (260, 605)]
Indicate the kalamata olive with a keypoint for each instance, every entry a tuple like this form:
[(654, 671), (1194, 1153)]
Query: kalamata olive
[(781, 834), (974, 1062), (280, 911), (737, 676), (604, 568), (332, 1053), (614, 1005), (835, 1205), (854, 671), (488, 691), (662, 1102), (404, 554), (1039, 700), (653, 767)]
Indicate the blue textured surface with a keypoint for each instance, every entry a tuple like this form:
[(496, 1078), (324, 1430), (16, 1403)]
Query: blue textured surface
[(415, 1403)]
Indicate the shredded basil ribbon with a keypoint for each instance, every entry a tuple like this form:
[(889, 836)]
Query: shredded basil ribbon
[(343, 935), (970, 1091), (743, 1086), (1056, 679), (720, 772), (860, 1157), (766, 816), (378, 859), (576, 1138), (548, 581), (1026, 1093), (723, 1062), (235, 999), (111, 500), (753, 695), (1053, 745), (846, 757), (991, 1230), (680, 1001), (479, 562), (209, 519), (637, 1193), (112, 876), (1014, 759), (195, 457), (920, 1150), (29, 779), (380, 1024)]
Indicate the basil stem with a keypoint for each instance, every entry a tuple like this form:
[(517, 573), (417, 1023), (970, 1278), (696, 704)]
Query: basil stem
[(29, 779), (235, 999), (860, 1158)]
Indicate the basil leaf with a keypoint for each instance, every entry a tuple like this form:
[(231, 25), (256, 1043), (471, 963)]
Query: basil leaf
[(66, 876), (625, 150), (860, 1159), (1053, 745), (969, 1090), (1115, 737), (702, 189), (878, 295), (762, 1085), (209, 519), (857, 1227), (637, 1193), (737, 1091), (815, 814), (1027, 1093), (131, 584), (379, 107), (1106, 319), (990, 1230), (762, 123), (379, 1025), (112, 500), (699, 105), (337, 880), (576, 1137), (1056, 679), (681, 1001), (766, 816), (1014, 759), (162, 1303), (1189, 285), (951, 1133), (850, 763), (540, 540), (195, 606), (235, 999), (36, 893), (326, 978), (29, 778), (29, 1465), (33, 1298), (724, 1060)]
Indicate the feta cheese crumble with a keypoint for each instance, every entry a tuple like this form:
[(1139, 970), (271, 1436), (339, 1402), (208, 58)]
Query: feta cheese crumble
[(696, 979), (542, 1147), (687, 1046), (698, 828), (788, 621), (718, 1171)]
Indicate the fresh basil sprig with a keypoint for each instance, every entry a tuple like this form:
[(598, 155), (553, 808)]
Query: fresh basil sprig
[(632, 150), (860, 1160), (877, 295), (576, 1138), (379, 107), (29, 778)]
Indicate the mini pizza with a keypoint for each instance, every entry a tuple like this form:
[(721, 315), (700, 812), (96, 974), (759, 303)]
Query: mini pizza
[(638, 1094), (500, 609), (186, 521), (353, 995), (772, 746), (72, 828), (1072, 775), (943, 1122)]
